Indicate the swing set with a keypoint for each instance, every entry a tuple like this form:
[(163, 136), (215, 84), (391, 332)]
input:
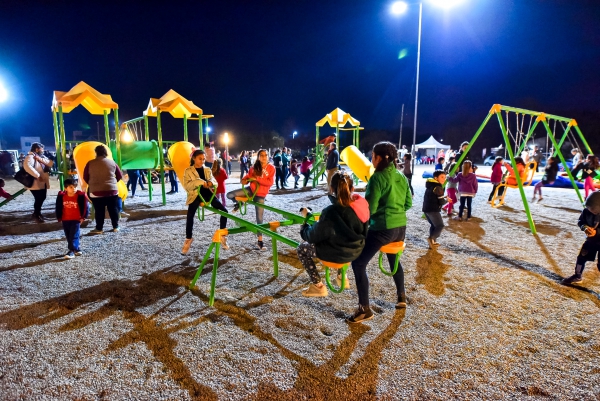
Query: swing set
[(520, 140)]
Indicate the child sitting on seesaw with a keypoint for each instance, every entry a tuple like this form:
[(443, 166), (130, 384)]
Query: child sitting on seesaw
[(588, 223), (338, 236)]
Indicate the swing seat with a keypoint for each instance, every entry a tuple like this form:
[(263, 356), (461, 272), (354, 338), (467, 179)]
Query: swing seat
[(241, 198), (393, 248), (342, 267)]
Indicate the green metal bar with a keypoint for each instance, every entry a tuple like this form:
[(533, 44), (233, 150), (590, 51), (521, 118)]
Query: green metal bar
[(213, 279), (19, 192), (583, 140), (562, 140), (517, 175), (535, 113), (117, 137), (564, 163), (150, 188), (201, 133), (395, 270), (161, 158), (481, 127), (337, 136), (57, 144), (342, 284), (135, 120), (529, 134), (206, 130), (185, 128), (208, 252), (146, 128), (106, 129), (317, 141), (63, 150), (275, 259)]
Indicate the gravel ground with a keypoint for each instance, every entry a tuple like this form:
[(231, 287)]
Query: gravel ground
[(487, 317)]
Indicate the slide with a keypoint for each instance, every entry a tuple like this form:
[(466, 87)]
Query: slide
[(179, 154), (138, 155), (83, 153), (357, 162)]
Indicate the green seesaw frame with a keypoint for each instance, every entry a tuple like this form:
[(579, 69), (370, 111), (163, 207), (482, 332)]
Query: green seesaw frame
[(269, 230), (541, 118)]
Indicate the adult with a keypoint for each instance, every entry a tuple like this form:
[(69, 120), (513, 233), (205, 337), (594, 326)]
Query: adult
[(278, 164), (403, 151), (537, 156), (101, 175), (441, 154), (243, 164), (332, 165), (38, 166), (285, 165), (209, 152), (389, 198), (462, 151), (227, 162), (576, 157), (290, 158)]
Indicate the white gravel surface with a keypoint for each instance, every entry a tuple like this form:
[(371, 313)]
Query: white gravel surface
[(487, 316)]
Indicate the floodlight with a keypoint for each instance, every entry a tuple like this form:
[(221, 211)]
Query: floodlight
[(446, 3), (3, 93), (126, 136), (399, 7)]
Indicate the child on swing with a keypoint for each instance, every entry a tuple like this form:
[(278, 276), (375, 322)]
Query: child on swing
[(588, 172)]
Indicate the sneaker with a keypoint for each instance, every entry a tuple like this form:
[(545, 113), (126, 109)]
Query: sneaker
[(539, 200), (224, 242), (78, 253), (116, 229), (125, 214), (170, 192), (337, 281), (467, 219), (533, 199), (186, 246), (574, 279), (362, 313), (96, 231), (69, 255), (314, 291), (236, 208), (458, 218), (401, 304), (261, 246), (432, 243), (38, 218)]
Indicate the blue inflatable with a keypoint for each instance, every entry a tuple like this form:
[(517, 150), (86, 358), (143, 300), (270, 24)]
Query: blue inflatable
[(561, 182)]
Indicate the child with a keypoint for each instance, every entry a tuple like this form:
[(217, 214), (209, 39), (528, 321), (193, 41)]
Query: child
[(449, 165), (338, 236), (220, 175), (588, 172), (71, 209), (511, 179), (467, 189), (198, 175), (433, 201), (440, 164), (588, 223), (305, 168), (3, 193), (496, 177), (264, 174), (451, 191), (294, 172), (406, 170), (550, 173)]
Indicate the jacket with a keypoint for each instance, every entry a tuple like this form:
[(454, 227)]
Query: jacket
[(277, 161), (265, 181), (82, 202), (305, 166), (221, 178), (496, 177), (333, 160), (389, 198), (587, 219), (101, 175), (192, 180), (285, 159), (467, 184), (434, 199), (586, 170), (550, 173), (36, 169), (339, 235), (511, 179)]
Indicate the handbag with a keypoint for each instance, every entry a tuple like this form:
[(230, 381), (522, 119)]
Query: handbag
[(24, 178)]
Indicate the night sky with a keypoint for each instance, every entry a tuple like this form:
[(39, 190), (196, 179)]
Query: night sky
[(282, 65)]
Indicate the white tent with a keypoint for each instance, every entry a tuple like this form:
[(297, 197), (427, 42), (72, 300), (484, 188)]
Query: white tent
[(431, 143)]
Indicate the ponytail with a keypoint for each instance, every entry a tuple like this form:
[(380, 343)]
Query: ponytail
[(342, 186), (388, 153), (216, 167)]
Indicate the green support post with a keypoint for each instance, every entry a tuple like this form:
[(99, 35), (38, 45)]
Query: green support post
[(161, 158), (185, 132), (149, 172), (481, 127), (562, 140), (146, 128), (317, 141), (275, 258), (206, 130), (201, 133), (562, 160), (117, 138), (58, 145), (213, 278), (517, 176), (337, 136), (106, 131), (583, 139), (63, 150)]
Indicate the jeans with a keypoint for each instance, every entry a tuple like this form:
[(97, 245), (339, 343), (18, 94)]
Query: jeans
[(375, 240), (461, 208), (173, 181), (279, 176), (330, 174), (285, 173), (39, 196), (437, 224), (134, 178), (258, 199), (243, 170), (101, 204), (72, 232), (296, 178), (409, 177), (495, 185), (306, 177), (193, 207)]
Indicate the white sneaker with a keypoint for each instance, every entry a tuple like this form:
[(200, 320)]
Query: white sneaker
[(224, 242), (314, 291), (186, 246)]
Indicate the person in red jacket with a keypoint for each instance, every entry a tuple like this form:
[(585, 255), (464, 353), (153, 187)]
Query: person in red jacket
[(221, 176), (262, 173), (71, 209)]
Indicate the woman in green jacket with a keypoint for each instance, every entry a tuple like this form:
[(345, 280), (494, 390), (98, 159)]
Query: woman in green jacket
[(389, 198)]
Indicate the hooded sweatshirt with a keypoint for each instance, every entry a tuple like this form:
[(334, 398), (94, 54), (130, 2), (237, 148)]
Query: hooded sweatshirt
[(265, 181), (339, 235), (434, 196), (467, 184)]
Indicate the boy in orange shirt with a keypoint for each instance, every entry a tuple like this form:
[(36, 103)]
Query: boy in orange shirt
[(71, 209)]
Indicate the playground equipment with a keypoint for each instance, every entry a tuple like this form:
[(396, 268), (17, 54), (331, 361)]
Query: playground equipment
[(535, 118), (361, 167), (179, 107), (500, 193), (338, 119)]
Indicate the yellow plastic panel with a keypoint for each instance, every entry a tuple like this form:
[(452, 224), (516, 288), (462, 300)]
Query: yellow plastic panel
[(357, 162), (179, 154)]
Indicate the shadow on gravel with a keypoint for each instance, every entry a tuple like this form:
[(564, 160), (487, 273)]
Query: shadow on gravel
[(430, 272), (50, 259), (18, 247)]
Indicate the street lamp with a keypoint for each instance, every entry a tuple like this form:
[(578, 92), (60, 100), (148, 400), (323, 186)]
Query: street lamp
[(226, 161), (400, 7), (294, 134)]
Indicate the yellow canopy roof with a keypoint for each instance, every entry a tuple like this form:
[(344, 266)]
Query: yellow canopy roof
[(338, 117), (83, 94), (172, 102)]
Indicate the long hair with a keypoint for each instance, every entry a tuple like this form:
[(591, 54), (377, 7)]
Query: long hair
[(195, 154), (216, 168), (258, 169), (519, 160), (388, 153), (592, 162), (342, 187), (497, 160), (466, 167)]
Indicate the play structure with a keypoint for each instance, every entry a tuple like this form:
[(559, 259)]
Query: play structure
[(341, 121), (520, 140)]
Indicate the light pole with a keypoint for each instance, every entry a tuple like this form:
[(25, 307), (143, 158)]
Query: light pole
[(226, 161), (294, 134)]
